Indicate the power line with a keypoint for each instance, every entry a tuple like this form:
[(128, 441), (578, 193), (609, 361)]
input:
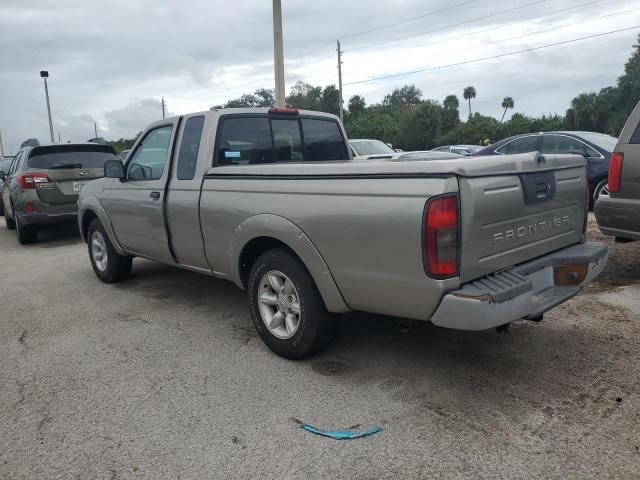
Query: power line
[(382, 27), (444, 27), (492, 57), (500, 27)]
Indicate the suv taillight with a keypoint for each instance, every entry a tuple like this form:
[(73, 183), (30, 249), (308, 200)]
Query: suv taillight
[(441, 248), (615, 172), (30, 180)]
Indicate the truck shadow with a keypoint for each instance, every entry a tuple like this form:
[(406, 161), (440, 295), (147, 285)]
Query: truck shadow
[(532, 365)]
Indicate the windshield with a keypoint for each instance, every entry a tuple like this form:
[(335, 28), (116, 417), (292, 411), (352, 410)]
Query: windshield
[(371, 147), (605, 142), (79, 157)]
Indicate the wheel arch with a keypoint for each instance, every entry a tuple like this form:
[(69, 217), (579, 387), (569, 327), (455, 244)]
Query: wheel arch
[(91, 209), (261, 233)]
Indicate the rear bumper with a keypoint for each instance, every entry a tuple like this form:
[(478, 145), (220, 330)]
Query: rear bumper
[(618, 217), (37, 219), (524, 291)]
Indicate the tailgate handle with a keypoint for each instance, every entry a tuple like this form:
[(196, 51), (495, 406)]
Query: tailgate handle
[(538, 187), (155, 195)]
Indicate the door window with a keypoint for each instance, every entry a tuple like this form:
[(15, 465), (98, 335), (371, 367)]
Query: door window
[(14, 162), (189, 148), (323, 140), (150, 158), (561, 144), (521, 145)]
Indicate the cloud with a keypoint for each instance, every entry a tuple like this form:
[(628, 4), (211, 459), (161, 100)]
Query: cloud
[(110, 63)]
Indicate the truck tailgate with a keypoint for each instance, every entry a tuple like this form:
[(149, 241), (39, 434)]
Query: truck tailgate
[(508, 219)]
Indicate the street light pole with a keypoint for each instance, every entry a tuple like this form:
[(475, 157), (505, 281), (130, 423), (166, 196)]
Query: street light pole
[(44, 74), (278, 53)]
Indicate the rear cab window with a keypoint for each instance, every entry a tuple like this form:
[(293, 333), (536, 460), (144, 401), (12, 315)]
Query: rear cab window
[(258, 139), (55, 157)]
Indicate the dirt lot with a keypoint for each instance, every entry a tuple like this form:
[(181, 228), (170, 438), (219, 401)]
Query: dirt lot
[(163, 376)]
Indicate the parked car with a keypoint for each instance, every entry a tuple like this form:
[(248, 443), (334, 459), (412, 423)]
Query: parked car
[(4, 167), (618, 213), (464, 150), (595, 147), (308, 233), (364, 148), (42, 184)]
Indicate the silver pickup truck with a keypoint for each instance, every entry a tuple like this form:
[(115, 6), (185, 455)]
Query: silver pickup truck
[(270, 200)]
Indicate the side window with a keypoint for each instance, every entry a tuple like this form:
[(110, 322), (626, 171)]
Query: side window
[(559, 144), (244, 140), (323, 140), (522, 145), (150, 158), (189, 148), (18, 162), (635, 138), (287, 142)]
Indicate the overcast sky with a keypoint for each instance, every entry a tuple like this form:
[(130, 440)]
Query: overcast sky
[(110, 62)]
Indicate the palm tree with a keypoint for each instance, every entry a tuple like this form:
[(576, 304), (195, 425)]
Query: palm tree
[(468, 94), (507, 103), (357, 104)]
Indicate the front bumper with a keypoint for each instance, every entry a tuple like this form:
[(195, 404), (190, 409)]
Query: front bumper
[(40, 219), (618, 217), (524, 291)]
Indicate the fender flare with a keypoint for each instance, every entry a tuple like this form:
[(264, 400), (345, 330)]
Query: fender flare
[(287, 232), (91, 203)]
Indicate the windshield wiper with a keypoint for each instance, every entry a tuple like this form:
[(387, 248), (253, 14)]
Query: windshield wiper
[(65, 166)]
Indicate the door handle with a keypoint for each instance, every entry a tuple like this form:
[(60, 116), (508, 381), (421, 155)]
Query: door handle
[(155, 195)]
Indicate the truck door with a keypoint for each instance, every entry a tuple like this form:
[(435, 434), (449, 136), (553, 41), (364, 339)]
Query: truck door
[(193, 158), (136, 205)]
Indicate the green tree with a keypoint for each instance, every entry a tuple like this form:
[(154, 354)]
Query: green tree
[(357, 104), (468, 94), (404, 96), (507, 103), (450, 113), (330, 100), (305, 96)]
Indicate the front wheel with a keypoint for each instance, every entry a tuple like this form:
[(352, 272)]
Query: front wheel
[(286, 307), (108, 265)]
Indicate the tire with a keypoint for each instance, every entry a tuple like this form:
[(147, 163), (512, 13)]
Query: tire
[(26, 235), (111, 267), (1, 208), (602, 187), (10, 222), (315, 325)]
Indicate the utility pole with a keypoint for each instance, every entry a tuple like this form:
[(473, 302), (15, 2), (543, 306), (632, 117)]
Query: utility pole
[(1, 146), (340, 81), (44, 74), (278, 54), (95, 129), (163, 105)]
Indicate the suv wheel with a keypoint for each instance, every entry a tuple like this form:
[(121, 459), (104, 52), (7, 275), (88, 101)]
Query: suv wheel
[(26, 235), (286, 307), (108, 265), (10, 222)]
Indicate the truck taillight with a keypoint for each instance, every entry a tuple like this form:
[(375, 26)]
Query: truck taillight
[(283, 111), (587, 198), (441, 248), (615, 172), (30, 180)]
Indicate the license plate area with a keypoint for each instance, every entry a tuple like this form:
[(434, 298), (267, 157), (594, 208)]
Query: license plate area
[(77, 186)]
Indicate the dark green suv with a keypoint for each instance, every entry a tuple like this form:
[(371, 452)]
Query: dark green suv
[(42, 184)]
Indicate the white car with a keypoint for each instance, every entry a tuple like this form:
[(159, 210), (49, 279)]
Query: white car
[(362, 148), (464, 150)]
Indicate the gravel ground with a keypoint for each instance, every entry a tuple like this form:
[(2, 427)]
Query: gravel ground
[(163, 376)]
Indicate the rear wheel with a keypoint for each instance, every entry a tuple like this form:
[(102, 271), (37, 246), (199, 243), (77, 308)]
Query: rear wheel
[(26, 235), (286, 307), (108, 265), (10, 222), (602, 188)]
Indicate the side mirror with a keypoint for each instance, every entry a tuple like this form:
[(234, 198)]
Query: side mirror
[(2, 175), (114, 169), (578, 152)]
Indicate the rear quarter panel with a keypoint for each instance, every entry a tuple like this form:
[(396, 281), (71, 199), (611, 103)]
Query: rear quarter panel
[(368, 232)]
